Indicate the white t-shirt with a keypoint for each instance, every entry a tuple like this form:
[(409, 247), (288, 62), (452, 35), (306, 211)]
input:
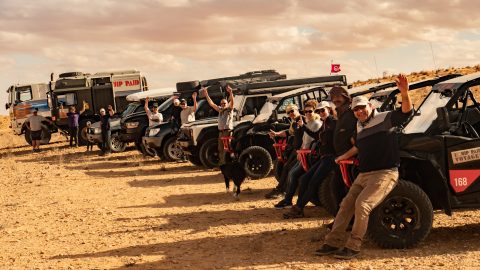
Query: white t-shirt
[(187, 115), (36, 122), (154, 118)]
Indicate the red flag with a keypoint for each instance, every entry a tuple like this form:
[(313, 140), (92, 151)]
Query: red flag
[(335, 68)]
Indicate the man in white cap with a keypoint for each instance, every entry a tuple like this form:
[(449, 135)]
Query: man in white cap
[(378, 155)]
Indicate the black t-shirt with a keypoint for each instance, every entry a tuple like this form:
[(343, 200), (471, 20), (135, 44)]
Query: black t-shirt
[(377, 141), (105, 124), (344, 131)]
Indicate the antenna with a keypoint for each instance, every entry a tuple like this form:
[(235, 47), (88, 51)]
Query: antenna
[(433, 57), (376, 67)]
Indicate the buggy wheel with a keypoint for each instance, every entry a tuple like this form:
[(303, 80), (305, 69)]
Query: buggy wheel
[(403, 219), (209, 153), (256, 161)]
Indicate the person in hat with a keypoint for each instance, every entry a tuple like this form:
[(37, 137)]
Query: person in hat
[(154, 117), (34, 125), (311, 180), (73, 117), (188, 113), (175, 115), (225, 119), (376, 144)]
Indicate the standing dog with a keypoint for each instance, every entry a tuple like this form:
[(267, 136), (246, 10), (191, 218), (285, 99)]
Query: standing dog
[(235, 172)]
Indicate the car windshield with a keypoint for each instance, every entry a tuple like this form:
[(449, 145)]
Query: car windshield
[(130, 109), (426, 113), (165, 105), (265, 112)]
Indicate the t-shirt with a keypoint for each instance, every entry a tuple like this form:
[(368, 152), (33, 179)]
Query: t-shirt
[(73, 119), (187, 115), (344, 131), (154, 118), (377, 141), (36, 122), (326, 136), (176, 111), (225, 118), (104, 122)]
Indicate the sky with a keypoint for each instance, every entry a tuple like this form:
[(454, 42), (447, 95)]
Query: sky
[(182, 40)]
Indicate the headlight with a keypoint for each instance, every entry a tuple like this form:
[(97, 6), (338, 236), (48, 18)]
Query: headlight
[(131, 124), (97, 130), (153, 132)]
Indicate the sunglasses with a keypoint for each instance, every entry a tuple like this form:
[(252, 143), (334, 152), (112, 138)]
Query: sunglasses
[(292, 111), (308, 111), (360, 107), (322, 110)]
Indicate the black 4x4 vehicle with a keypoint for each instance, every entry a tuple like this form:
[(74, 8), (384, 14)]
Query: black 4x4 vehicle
[(440, 165)]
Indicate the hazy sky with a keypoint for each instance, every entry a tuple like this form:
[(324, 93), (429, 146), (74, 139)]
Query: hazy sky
[(178, 40)]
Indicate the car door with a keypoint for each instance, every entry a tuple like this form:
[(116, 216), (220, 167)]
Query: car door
[(464, 164)]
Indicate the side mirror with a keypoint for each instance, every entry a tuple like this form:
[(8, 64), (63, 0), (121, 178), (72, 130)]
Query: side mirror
[(274, 116), (7, 106), (255, 112), (443, 120)]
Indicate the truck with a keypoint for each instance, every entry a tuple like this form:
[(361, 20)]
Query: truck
[(97, 90), (22, 100)]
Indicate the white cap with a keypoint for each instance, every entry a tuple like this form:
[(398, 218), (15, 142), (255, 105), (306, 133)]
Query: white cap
[(322, 105), (102, 110), (359, 101)]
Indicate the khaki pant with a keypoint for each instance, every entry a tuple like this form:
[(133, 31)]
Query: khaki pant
[(221, 151), (368, 190)]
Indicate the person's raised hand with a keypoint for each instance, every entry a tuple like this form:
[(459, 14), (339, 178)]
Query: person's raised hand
[(229, 89), (402, 83), (300, 122), (194, 95)]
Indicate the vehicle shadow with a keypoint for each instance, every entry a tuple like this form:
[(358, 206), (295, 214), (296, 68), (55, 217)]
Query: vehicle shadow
[(164, 172), (210, 198), (204, 220), (276, 249), (165, 182)]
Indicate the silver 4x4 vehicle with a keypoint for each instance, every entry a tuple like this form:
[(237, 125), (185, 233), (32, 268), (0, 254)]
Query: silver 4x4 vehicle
[(199, 140)]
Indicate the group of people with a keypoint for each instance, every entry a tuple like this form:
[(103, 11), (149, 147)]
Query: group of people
[(352, 128)]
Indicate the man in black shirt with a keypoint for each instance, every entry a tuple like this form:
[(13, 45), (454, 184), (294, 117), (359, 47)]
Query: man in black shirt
[(377, 149), (105, 126)]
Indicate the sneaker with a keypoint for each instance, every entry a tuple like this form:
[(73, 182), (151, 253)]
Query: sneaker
[(274, 194), (326, 250), (283, 204), (346, 254), (295, 212)]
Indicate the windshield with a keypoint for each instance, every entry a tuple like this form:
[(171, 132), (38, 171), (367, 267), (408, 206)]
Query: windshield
[(426, 113), (24, 93), (265, 112), (130, 109), (165, 105)]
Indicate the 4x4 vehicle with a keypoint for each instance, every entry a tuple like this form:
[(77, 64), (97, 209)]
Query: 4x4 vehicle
[(98, 90), (199, 140), (134, 109), (440, 165), (22, 100)]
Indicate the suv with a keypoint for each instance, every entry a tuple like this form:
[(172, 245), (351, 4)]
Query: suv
[(199, 140), (135, 107)]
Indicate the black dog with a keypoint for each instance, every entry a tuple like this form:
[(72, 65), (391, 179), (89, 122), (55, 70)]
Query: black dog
[(233, 171)]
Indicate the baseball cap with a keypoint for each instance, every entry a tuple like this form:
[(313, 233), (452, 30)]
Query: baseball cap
[(155, 105), (322, 105), (359, 101), (35, 110), (183, 100), (102, 110)]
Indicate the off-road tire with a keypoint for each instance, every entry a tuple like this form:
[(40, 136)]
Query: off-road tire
[(403, 219), (256, 162), (82, 131), (171, 151), (331, 193), (116, 145), (208, 153), (277, 169), (46, 136)]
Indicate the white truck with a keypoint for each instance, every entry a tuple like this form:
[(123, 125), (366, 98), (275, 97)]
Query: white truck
[(22, 100)]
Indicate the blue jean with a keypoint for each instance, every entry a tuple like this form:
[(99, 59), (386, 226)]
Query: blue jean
[(293, 176), (311, 181)]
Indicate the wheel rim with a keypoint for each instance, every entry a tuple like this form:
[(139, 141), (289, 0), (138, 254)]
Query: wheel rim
[(254, 165), (116, 143), (400, 215), (174, 151)]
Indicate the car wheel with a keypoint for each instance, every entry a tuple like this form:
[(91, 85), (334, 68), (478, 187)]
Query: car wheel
[(82, 132), (145, 150), (28, 139), (116, 145), (256, 161), (46, 136), (195, 160), (403, 219), (171, 150), (209, 153), (331, 193)]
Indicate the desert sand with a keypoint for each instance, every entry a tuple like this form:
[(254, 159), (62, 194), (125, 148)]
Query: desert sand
[(64, 208)]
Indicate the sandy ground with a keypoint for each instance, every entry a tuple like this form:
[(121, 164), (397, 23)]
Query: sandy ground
[(67, 209)]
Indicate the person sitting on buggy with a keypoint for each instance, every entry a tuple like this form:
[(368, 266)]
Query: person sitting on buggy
[(312, 122), (323, 160), (293, 142)]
